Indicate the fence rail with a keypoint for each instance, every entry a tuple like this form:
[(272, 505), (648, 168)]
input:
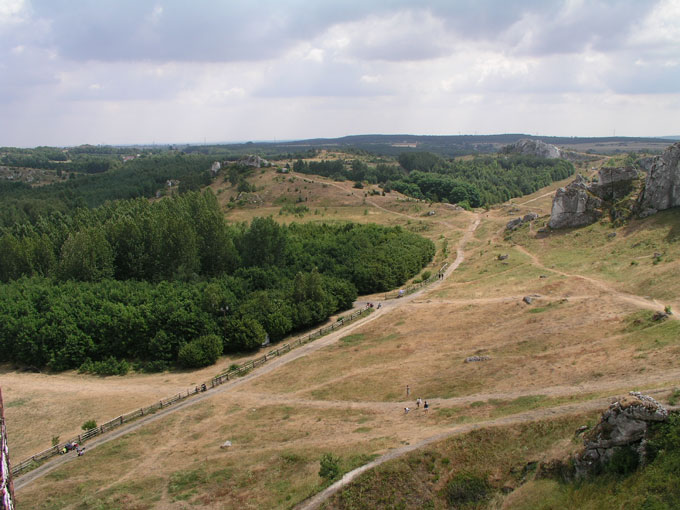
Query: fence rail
[(35, 460), (410, 289)]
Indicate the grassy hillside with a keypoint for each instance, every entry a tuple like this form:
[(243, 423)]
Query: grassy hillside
[(550, 366)]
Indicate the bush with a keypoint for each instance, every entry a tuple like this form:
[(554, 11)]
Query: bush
[(201, 352), (245, 334), (624, 461), (330, 467), (109, 366), (425, 275), (152, 366), (465, 488), (89, 425)]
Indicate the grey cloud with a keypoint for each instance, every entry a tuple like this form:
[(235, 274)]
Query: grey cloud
[(319, 79), (176, 30), (241, 30)]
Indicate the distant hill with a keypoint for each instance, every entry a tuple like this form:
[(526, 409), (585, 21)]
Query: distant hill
[(444, 145)]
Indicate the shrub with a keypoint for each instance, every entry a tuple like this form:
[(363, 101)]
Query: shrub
[(109, 366), (675, 397), (152, 366), (624, 461), (201, 352), (425, 275), (465, 488), (89, 425), (330, 467)]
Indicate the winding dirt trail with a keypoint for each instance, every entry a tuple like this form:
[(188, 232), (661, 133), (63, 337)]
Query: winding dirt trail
[(537, 414), (641, 302), (26, 479), (315, 501)]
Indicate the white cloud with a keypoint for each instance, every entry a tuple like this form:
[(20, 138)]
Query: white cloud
[(12, 11), (172, 70)]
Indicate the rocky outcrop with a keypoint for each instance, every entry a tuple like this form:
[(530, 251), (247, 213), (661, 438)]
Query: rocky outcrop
[(575, 206), (662, 185), (623, 425), (614, 182), (513, 224), (533, 148), (255, 161)]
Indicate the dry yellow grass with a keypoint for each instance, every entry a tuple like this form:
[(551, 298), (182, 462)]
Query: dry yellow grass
[(573, 343)]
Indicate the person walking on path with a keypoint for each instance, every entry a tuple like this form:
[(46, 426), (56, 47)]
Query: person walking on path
[(426, 406), (408, 390), (418, 402)]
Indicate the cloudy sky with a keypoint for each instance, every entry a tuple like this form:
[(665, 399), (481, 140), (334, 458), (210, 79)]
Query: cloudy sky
[(168, 71)]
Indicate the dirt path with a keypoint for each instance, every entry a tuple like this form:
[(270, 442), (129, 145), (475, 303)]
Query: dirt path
[(669, 379), (304, 350), (538, 198), (642, 302), (315, 501)]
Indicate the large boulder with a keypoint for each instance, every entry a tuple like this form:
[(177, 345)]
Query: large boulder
[(574, 206), (255, 161), (662, 186), (624, 424), (533, 148), (614, 182)]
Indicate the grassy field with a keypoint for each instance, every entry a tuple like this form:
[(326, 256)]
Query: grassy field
[(587, 334)]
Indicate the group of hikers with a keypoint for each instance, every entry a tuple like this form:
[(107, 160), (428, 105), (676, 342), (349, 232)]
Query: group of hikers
[(419, 401), (69, 447)]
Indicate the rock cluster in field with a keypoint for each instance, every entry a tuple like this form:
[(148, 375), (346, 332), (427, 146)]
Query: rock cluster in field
[(662, 185), (255, 161), (575, 205), (473, 359), (513, 224), (614, 183), (581, 203), (623, 425)]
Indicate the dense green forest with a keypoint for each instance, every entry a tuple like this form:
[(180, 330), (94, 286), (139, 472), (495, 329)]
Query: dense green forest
[(141, 177), (478, 182), (171, 282)]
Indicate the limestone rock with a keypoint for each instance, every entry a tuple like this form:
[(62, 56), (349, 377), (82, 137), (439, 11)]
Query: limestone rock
[(533, 148), (574, 206), (255, 161), (472, 359), (662, 185), (624, 424), (513, 224), (614, 182)]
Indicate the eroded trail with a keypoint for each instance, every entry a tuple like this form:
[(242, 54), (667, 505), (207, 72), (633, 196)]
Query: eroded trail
[(639, 301), (301, 351), (315, 501)]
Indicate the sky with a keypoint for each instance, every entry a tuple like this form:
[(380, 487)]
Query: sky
[(207, 71)]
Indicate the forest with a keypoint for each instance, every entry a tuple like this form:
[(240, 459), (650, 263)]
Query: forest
[(141, 177), (170, 283), (478, 182)]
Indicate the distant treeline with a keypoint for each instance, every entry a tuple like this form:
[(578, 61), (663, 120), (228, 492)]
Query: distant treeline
[(478, 182), (171, 281), (141, 177)]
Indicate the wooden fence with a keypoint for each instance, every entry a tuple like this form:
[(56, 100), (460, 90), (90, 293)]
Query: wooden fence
[(410, 289), (240, 370)]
